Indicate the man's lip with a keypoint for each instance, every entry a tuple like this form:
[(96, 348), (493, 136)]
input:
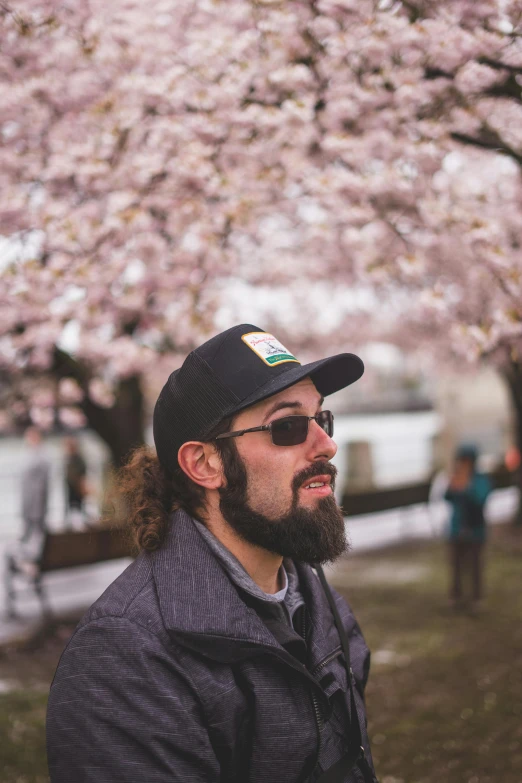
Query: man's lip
[(323, 479)]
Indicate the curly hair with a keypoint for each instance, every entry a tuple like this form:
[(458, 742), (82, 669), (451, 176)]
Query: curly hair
[(149, 494)]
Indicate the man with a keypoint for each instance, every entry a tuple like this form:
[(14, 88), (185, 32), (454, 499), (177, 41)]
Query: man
[(35, 493), (23, 556), (215, 656), (75, 480), (467, 493)]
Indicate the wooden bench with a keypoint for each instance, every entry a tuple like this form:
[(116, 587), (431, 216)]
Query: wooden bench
[(372, 500), (67, 549)]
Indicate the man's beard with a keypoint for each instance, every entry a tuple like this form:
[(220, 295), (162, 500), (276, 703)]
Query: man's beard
[(311, 536)]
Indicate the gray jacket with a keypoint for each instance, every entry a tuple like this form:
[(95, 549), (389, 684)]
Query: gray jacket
[(35, 492), (175, 674)]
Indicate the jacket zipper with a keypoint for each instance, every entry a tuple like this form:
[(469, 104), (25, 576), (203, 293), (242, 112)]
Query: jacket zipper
[(319, 719), (326, 661)]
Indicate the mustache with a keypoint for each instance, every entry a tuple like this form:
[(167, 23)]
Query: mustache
[(317, 469)]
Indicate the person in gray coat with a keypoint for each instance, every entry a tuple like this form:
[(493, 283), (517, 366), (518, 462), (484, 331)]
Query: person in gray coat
[(221, 655), (34, 494)]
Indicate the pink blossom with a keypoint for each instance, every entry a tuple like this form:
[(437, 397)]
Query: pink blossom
[(42, 417), (101, 393), (69, 391), (161, 150), (72, 417)]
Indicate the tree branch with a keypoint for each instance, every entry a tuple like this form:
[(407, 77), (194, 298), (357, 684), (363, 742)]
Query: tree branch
[(488, 140), (510, 88), (498, 66), (437, 73)]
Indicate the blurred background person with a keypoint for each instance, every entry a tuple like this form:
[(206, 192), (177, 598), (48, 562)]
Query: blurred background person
[(467, 493), (34, 493), (75, 482)]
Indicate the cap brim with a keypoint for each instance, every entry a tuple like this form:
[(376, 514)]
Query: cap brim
[(329, 376)]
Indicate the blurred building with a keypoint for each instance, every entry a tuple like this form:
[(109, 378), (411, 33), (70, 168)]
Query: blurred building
[(473, 407), (399, 426)]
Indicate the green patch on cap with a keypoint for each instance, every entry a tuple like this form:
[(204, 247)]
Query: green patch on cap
[(268, 348)]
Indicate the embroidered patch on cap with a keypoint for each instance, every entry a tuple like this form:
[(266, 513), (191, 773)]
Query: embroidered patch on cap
[(270, 350)]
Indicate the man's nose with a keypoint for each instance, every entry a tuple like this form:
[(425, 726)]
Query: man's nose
[(320, 443)]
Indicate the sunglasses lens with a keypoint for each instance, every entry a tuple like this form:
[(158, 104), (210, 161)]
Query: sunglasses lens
[(325, 420), (289, 431)]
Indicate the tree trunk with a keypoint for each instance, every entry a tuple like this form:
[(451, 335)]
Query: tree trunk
[(120, 427), (512, 373)]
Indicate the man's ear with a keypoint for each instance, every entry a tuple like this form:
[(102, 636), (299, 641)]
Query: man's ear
[(202, 464)]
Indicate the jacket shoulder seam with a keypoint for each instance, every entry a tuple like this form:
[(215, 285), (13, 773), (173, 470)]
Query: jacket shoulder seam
[(150, 633), (122, 616), (137, 596)]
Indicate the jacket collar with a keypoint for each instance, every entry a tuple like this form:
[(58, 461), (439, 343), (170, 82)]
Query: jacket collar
[(202, 607)]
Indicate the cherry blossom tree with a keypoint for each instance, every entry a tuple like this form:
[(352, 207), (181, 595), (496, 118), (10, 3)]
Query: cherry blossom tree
[(150, 153)]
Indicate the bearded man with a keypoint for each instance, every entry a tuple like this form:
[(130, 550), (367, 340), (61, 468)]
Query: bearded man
[(221, 655)]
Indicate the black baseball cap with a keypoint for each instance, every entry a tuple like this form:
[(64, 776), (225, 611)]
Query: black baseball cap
[(230, 372)]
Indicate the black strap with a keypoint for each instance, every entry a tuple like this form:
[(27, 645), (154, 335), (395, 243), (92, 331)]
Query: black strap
[(337, 772), (338, 622)]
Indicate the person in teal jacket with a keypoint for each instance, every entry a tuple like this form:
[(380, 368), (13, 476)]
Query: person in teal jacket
[(467, 493)]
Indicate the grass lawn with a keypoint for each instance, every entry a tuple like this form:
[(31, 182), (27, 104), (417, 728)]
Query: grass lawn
[(445, 691), (25, 675), (22, 738)]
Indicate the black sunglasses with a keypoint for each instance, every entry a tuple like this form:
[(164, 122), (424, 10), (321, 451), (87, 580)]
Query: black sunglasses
[(290, 430)]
